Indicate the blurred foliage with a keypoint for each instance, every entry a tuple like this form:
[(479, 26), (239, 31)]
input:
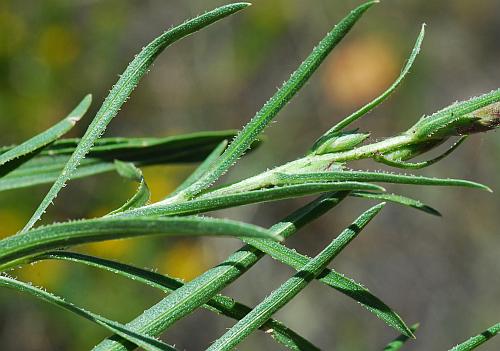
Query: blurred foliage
[(53, 52)]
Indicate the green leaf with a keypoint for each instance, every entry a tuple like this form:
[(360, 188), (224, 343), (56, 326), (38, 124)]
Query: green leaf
[(477, 340), (121, 92), (335, 280), (361, 176), (456, 119), (142, 195), (136, 149), (390, 161), (208, 203), (398, 199), (139, 339), (48, 136), (371, 105), (46, 167), (16, 248), (288, 290), (201, 289), (398, 343), (274, 105), (219, 303)]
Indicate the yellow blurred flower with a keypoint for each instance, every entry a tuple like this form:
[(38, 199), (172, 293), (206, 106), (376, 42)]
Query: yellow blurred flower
[(185, 259), (162, 180), (11, 222), (113, 249), (48, 274)]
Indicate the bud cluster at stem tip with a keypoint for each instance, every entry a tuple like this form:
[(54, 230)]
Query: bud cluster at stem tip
[(445, 125)]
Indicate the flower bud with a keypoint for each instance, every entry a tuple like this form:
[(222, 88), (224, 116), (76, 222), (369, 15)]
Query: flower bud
[(487, 118), (342, 142), (447, 123)]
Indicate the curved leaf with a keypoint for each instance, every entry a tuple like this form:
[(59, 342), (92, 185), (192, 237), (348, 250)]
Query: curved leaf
[(398, 199), (274, 105), (198, 291), (371, 105), (16, 248), (122, 90), (478, 340), (361, 176), (142, 195), (398, 343), (48, 136), (139, 339), (219, 303), (288, 290), (208, 203), (48, 164), (335, 280)]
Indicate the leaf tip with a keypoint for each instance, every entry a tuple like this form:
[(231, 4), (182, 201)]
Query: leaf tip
[(432, 211), (483, 187), (279, 238)]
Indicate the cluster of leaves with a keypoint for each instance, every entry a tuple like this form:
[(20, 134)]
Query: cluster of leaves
[(46, 158)]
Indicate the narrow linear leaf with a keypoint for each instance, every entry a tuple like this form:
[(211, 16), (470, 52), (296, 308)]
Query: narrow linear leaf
[(274, 105), (398, 343), (201, 289), (142, 195), (144, 341), (16, 248), (48, 136), (458, 109), (335, 280), (371, 105), (43, 170), (207, 203), (288, 290), (47, 166), (122, 90), (478, 340), (361, 176), (135, 149), (420, 165), (398, 199), (219, 303), (128, 170)]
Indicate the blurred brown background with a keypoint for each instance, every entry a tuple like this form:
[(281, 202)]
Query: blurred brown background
[(441, 272)]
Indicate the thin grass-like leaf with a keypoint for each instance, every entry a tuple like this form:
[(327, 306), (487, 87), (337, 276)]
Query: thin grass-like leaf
[(16, 248), (48, 136), (207, 203), (274, 105), (47, 166), (428, 123), (398, 343), (221, 304), (398, 199), (121, 92), (288, 290), (419, 165), (142, 195), (335, 280), (361, 176), (201, 289), (144, 341), (478, 340), (371, 105)]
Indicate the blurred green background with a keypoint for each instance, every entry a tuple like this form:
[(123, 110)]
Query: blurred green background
[(441, 272)]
